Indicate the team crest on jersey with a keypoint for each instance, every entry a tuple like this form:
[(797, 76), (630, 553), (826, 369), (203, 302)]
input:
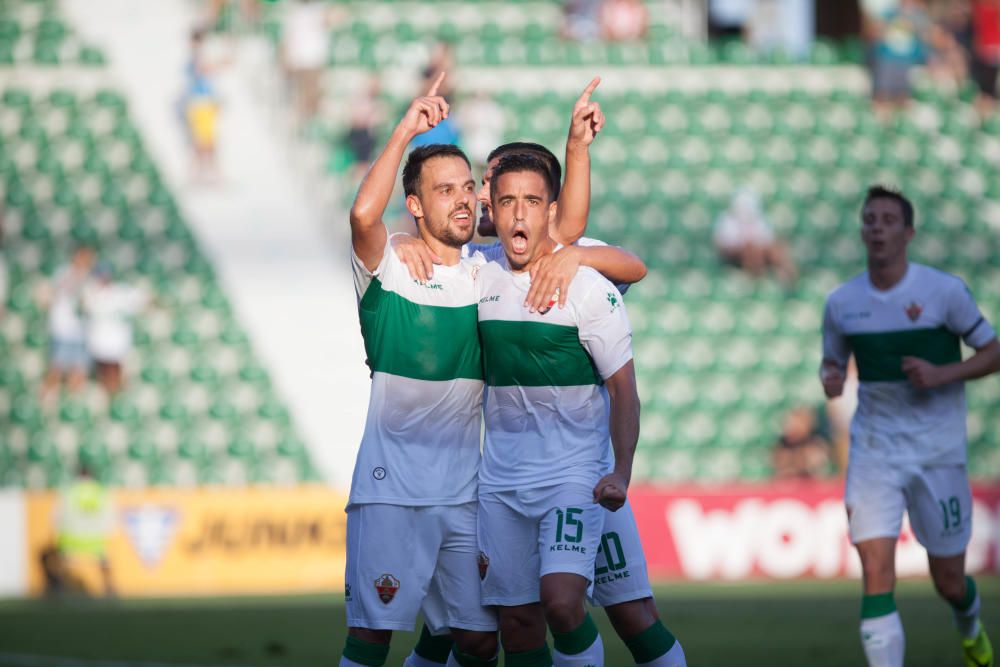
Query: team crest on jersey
[(484, 564), (386, 587), (913, 311)]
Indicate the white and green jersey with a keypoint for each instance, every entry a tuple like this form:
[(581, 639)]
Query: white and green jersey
[(925, 315), (421, 444), (546, 407)]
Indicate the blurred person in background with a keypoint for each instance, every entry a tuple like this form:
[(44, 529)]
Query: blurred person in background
[(904, 324), (109, 308), (85, 520), (744, 237), (69, 360), (623, 20), (200, 110), (305, 52), (801, 451), (447, 130), (581, 21), (482, 127), (986, 53), (781, 26), (367, 116)]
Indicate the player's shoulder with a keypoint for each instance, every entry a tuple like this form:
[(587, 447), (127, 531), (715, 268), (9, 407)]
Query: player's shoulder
[(932, 275), (848, 289)]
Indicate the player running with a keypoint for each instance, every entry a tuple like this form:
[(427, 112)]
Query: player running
[(411, 540), (903, 323), (550, 410)]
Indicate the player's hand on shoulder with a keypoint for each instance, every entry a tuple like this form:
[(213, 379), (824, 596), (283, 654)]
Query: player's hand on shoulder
[(426, 112), (611, 491), (550, 278), (832, 377), (923, 374), (415, 255), (587, 119)]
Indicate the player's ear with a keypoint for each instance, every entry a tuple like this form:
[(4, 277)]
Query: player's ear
[(553, 207), (911, 231), (414, 207)]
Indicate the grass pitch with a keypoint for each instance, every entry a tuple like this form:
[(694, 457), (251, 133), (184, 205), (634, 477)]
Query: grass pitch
[(754, 624)]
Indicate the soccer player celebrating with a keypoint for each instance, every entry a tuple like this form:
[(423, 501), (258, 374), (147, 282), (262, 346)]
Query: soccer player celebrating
[(411, 540), (561, 384), (903, 323)]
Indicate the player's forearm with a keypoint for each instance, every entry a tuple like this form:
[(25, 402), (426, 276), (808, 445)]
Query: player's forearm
[(985, 361), (616, 264), (624, 418), (376, 189), (574, 198)]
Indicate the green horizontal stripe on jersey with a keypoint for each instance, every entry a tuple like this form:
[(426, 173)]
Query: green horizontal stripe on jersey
[(880, 355), (535, 354), (417, 341)]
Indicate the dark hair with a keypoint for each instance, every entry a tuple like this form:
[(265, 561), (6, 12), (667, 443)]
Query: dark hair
[(539, 151), (524, 162), (883, 192), (415, 163)]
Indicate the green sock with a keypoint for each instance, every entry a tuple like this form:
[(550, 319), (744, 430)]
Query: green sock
[(874, 606), (970, 595), (466, 660), (539, 657), (577, 640), (435, 649), (651, 643), (365, 653)]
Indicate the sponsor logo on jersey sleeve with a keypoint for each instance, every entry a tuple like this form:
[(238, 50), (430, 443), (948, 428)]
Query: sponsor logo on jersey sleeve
[(386, 586)]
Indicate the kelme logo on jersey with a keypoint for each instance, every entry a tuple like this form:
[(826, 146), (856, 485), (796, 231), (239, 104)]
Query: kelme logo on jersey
[(484, 564), (386, 587), (913, 311)]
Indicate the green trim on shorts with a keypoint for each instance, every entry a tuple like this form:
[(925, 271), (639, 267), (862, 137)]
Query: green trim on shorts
[(539, 657), (651, 643), (577, 640), (874, 606), (435, 649), (365, 653)]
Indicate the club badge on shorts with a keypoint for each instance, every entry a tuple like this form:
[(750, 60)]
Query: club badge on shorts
[(484, 564), (386, 587)]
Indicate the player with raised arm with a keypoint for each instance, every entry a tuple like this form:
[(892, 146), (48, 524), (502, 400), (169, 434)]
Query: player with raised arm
[(565, 399), (411, 539), (904, 323)]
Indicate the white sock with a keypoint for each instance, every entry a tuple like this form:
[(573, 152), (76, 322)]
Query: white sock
[(883, 639), (967, 621), (592, 656), (672, 658), (414, 660)]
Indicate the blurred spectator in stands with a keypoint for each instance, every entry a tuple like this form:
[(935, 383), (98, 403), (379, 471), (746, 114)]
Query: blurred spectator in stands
[(948, 61), (781, 26), (986, 53), (367, 115), (901, 38), (200, 106), (85, 519), (744, 237), (441, 60), (482, 127), (623, 20), (728, 18), (801, 451), (580, 20), (109, 308), (305, 52), (69, 360)]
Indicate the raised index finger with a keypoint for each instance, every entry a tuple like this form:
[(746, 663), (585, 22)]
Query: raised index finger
[(589, 90), (434, 89)]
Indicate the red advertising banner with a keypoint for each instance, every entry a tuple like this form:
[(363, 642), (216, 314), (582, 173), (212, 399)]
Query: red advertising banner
[(779, 530)]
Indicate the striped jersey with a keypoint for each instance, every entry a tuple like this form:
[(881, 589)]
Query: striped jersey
[(925, 315), (421, 444), (546, 407)]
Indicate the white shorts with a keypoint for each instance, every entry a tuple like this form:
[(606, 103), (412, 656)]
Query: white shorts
[(524, 535), (621, 574), (403, 560), (937, 498)]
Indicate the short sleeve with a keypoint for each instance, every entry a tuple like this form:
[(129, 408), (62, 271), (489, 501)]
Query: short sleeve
[(965, 319), (835, 346), (586, 242), (604, 328), (362, 276)]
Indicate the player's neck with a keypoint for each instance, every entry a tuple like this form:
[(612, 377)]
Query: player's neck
[(886, 276), (450, 255), (546, 247)]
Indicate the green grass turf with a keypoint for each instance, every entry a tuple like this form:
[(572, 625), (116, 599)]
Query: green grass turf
[(761, 624)]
